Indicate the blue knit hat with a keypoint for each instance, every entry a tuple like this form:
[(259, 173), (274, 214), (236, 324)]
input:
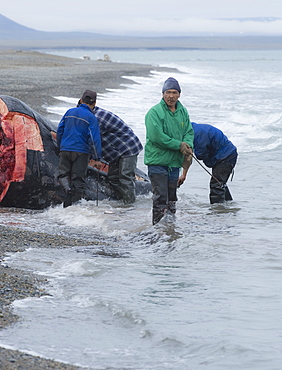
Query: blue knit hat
[(171, 83)]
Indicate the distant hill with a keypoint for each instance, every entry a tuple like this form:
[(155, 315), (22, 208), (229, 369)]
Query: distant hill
[(16, 36), (10, 30)]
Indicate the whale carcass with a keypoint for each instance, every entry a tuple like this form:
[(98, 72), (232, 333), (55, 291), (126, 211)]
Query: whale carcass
[(29, 159)]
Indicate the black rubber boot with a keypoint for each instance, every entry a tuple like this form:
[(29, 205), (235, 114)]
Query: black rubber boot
[(65, 183), (77, 196), (68, 200), (158, 214), (159, 184), (171, 207), (227, 195), (121, 176), (172, 197), (219, 191)]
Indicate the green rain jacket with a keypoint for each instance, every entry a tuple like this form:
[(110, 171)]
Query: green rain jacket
[(165, 131)]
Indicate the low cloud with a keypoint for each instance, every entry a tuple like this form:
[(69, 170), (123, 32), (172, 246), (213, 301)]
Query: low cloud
[(145, 26), (188, 26)]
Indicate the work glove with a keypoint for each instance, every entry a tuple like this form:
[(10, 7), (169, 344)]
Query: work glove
[(185, 148)]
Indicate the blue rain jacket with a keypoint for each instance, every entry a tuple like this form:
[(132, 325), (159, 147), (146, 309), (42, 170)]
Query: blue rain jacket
[(210, 144), (79, 131)]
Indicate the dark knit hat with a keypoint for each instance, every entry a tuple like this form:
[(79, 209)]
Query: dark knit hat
[(171, 84), (89, 96)]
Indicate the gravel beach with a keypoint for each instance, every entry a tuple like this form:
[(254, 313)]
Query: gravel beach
[(35, 78), (15, 284)]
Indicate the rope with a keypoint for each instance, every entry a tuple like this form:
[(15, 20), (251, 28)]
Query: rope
[(98, 178), (220, 183)]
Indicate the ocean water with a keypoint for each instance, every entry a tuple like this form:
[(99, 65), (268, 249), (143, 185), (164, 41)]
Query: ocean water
[(202, 291)]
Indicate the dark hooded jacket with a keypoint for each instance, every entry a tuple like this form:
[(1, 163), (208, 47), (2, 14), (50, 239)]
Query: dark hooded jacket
[(79, 131), (210, 144)]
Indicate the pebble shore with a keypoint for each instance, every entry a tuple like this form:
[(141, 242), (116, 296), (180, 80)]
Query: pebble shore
[(36, 78), (15, 284)]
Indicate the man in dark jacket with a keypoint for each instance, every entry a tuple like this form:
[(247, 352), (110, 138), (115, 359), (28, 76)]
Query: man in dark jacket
[(78, 138), (120, 148), (217, 152)]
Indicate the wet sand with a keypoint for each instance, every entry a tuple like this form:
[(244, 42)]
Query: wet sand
[(35, 78)]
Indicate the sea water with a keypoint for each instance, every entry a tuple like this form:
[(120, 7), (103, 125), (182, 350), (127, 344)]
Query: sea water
[(202, 290)]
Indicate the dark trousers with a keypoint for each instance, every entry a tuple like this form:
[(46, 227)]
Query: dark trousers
[(164, 186), (121, 177), (72, 174), (219, 191)]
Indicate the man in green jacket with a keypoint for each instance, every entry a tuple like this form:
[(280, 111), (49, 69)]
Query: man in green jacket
[(169, 146)]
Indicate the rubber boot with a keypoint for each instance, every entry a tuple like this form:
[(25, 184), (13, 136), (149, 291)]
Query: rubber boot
[(158, 214), (228, 195), (65, 183), (68, 200), (129, 196), (172, 196), (159, 184), (77, 196), (171, 207), (217, 193)]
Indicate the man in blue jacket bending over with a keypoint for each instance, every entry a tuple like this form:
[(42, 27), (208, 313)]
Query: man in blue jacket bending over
[(78, 138), (217, 152)]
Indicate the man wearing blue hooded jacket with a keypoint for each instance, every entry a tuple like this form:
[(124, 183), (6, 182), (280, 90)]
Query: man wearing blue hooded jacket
[(217, 152), (78, 138)]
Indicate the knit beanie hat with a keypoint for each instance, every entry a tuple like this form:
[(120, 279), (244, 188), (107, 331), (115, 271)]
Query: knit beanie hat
[(171, 83)]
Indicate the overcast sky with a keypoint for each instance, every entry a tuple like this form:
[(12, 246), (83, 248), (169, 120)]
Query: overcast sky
[(164, 17)]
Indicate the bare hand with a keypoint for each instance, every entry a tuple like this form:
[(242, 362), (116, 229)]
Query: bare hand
[(181, 180), (185, 148)]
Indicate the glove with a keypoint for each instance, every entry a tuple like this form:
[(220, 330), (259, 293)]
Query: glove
[(185, 148), (187, 162)]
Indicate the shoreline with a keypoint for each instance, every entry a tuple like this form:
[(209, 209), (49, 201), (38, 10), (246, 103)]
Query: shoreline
[(73, 40), (19, 284), (35, 78)]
